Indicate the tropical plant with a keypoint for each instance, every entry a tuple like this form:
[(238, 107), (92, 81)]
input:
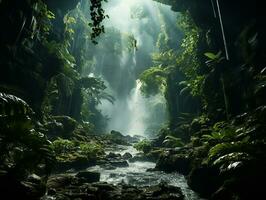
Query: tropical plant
[(91, 149), (214, 59), (144, 145), (153, 80), (67, 149), (260, 82), (172, 141), (97, 14), (23, 149), (221, 132), (62, 145)]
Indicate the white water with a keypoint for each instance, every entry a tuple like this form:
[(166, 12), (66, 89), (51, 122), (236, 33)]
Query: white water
[(138, 111), (128, 115), (132, 114), (136, 174)]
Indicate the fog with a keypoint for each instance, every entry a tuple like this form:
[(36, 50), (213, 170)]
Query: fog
[(123, 53)]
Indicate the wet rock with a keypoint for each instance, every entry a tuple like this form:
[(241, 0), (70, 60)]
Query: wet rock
[(59, 181), (205, 180), (51, 191), (89, 177), (77, 162), (117, 138), (73, 188), (34, 179), (133, 139), (223, 194), (104, 186), (60, 126), (108, 167), (179, 162), (140, 158), (119, 163), (113, 155), (163, 192), (127, 156), (33, 190)]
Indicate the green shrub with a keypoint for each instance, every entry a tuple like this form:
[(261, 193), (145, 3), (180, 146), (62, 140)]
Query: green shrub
[(144, 145), (23, 149), (91, 149), (171, 141), (62, 146)]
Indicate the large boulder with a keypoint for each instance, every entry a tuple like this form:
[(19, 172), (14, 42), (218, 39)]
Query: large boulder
[(175, 160), (205, 180), (119, 163), (61, 126), (77, 162), (11, 187), (127, 156), (89, 177)]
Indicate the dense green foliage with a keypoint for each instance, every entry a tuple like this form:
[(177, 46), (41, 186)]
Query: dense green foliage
[(23, 149), (67, 150), (143, 145), (53, 79)]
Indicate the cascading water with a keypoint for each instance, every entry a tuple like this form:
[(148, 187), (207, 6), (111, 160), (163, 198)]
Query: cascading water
[(138, 111), (141, 20)]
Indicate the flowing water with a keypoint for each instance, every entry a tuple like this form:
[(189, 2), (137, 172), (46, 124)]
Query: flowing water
[(136, 174)]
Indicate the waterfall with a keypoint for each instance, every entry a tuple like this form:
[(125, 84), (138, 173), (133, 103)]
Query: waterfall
[(132, 113), (138, 111)]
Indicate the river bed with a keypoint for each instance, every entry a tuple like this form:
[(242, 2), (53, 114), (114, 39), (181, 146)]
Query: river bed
[(136, 174)]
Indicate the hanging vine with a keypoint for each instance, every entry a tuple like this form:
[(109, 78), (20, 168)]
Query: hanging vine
[(97, 14)]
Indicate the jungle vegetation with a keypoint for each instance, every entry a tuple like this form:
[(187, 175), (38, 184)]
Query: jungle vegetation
[(215, 103)]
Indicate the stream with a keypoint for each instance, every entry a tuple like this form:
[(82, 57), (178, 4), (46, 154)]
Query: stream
[(136, 174)]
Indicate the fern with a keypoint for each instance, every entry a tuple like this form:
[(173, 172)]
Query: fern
[(173, 141), (225, 148), (232, 158), (221, 132), (11, 105), (22, 148)]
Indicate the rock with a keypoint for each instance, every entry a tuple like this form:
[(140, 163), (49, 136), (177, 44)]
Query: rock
[(134, 139), (116, 133), (141, 158), (51, 191), (177, 162), (77, 162), (104, 186), (77, 189), (163, 192), (59, 181), (33, 190), (108, 167), (119, 163), (34, 179), (205, 180), (69, 123), (223, 194), (60, 197), (89, 177), (113, 155), (118, 138), (127, 156), (61, 126)]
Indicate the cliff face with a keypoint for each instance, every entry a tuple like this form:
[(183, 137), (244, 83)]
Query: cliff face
[(244, 32), (63, 5), (25, 62), (237, 16)]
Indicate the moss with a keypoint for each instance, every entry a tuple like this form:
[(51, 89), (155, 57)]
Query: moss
[(144, 145)]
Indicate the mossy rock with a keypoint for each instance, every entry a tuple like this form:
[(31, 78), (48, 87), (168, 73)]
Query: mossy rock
[(117, 138), (61, 126), (73, 161)]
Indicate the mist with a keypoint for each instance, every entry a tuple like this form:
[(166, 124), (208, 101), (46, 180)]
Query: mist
[(124, 52)]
